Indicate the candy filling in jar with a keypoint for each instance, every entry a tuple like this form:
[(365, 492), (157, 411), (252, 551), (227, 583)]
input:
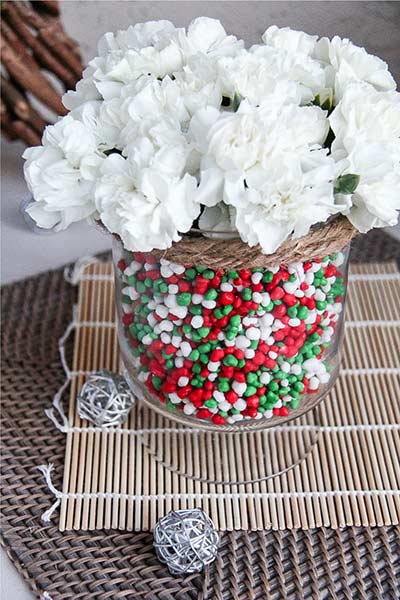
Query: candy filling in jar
[(230, 346)]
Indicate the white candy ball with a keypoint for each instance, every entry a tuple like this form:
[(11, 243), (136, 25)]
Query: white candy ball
[(239, 387)]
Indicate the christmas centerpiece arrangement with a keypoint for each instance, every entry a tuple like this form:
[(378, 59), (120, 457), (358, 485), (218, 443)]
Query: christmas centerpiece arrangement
[(232, 181)]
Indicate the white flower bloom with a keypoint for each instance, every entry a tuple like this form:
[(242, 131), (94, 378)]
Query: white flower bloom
[(292, 128), (149, 97), (199, 84), (366, 115), (105, 75), (366, 124), (200, 125), (248, 137), (219, 221), (104, 121), (144, 204), (376, 200), (291, 41), (236, 140), (287, 197), (167, 124), (134, 53), (211, 186), (61, 174), (257, 73), (208, 36), (141, 35), (85, 91), (111, 75), (146, 107), (346, 63)]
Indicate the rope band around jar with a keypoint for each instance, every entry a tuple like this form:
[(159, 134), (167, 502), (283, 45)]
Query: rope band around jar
[(236, 254)]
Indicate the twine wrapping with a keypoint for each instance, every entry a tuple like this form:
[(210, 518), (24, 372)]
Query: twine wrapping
[(236, 254)]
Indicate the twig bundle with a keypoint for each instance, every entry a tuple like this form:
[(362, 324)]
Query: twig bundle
[(33, 40)]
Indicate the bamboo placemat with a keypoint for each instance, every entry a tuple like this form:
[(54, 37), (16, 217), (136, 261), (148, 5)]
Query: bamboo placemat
[(351, 477)]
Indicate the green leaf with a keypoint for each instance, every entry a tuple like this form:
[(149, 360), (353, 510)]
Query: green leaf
[(237, 98), (327, 105), (324, 100), (347, 184)]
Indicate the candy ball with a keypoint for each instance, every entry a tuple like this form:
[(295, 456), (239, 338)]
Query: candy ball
[(105, 399), (186, 541)]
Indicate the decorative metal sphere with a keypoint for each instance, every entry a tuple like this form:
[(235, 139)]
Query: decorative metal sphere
[(105, 399), (186, 541)]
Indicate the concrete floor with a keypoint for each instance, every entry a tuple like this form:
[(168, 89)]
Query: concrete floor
[(374, 25)]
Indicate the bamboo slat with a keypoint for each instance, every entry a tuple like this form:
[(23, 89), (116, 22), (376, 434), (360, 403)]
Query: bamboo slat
[(125, 479)]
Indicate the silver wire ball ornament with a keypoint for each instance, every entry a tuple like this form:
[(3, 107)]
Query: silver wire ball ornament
[(105, 399), (186, 541)]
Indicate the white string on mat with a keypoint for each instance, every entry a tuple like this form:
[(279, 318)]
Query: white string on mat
[(95, 323), (74, 274), (370, 370), (374, 276), (373, 323), (57, 400), (280, 429), (46, 470), (96, 277)]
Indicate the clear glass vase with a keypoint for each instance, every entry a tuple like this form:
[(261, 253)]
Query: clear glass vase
[(230, 350)]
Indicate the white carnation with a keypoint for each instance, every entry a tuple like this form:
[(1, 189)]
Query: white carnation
[(346, 63), (288, 127), (251, 135), (145, 205), (236, 140), (367, 116), (218, 221), (257, 73), (208, 36), (366, 124), (147, 107), (111, 74), (61, 174), (150, 48), (290, 40), (287, 197), (141, 35), (85, 91), (376, 200), (123, 57), (156, 99), (199, 84)]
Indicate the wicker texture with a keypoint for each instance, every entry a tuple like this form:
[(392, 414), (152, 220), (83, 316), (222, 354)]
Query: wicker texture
[(351, 563)]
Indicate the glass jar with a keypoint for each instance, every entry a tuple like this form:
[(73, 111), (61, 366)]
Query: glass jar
[(230, 350)]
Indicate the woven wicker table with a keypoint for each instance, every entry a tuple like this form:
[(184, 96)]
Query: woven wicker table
[(291, 564)]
